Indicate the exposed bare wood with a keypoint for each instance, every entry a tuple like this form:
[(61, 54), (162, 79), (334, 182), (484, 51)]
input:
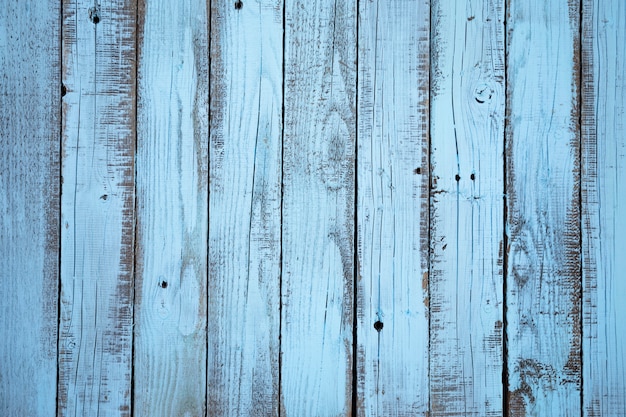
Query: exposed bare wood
[(466, 274), (543, 209), (172, 209), (244, 207), (97, 207), (318, 208), (604, 224), (30, 109), (393, 193)]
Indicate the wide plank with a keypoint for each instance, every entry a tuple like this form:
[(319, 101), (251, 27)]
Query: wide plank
[(97, 207), (543, 273), (604, 224), (244, 207), (392, 208), (172, 209), (318, 208), (30, 110), (467, 217)]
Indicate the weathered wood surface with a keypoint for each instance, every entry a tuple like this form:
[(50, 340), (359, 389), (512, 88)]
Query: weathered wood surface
[(172, 209), (486, 247), (97, 208), (318, 208), (30, 110), (244, 208), (466, 264), (604, 209), (392, 362), (543, 212)]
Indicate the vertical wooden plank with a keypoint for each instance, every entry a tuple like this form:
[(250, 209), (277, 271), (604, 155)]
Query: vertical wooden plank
[(392, 208), (466, 273), (244, 207), (543, 196), (97, 207), (172, 209), (30, 99), (318, 208), (604, 226)]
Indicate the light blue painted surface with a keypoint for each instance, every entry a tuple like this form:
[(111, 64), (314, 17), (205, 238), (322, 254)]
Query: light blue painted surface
[(604, 208), (285, 249)]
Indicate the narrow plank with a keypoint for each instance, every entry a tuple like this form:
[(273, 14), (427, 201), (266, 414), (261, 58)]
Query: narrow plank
[(543, 196), (172, 209), (244, 222), (392, 208), (466, 230), (318, 208), (604, 227), (30, 99), (97, 207)]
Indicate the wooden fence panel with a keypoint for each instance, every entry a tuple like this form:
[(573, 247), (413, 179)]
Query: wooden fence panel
[(97, 207), (30, 110), (604, 208), (466, 272), (392, 202), (543, 209), (172, 209), (244, 207), (318, 208)]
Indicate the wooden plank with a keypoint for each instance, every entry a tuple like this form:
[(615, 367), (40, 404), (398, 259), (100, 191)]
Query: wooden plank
[(466, 230), (543, 211), (30, 97), (318, 208), (172, 209), (604, 227), (392, 215), (244, 222), (97, 207)]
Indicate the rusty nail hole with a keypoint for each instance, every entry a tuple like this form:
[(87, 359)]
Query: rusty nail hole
[(472, 177), (457, 177), (238, 4), (94, 15), (163, 284), (378, 325), (63, 90), (417, 171)]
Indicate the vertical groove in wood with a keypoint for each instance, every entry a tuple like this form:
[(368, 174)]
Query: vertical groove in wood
[(30, 94), (172, 209), (543, 224), (604, 223), (466, 265), (392, 208), (244, 206), (97, 207), (318, 208)]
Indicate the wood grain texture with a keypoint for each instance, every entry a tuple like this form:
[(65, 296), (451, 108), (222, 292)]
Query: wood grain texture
[(543, 211), (172, 209), (30, 110), (604, 225), (244, 207), (466, 272), (318, 208), (97, 208), (392, 216)]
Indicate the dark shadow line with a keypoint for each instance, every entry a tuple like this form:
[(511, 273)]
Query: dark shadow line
[(505, 239)]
